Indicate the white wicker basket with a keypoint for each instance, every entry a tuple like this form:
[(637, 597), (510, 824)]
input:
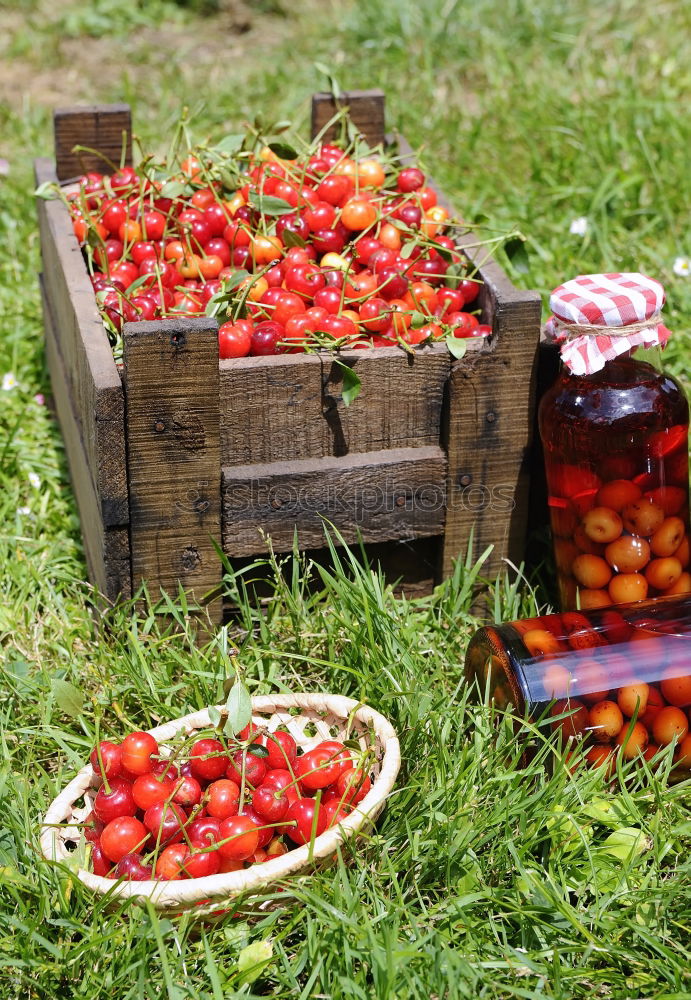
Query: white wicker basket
[(330, 716)]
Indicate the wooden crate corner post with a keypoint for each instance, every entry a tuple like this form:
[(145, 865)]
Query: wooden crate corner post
[(104, 131), (174, 457), (488, 430), (365, 111)]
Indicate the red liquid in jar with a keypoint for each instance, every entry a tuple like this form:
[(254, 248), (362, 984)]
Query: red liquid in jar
[(616, 460)]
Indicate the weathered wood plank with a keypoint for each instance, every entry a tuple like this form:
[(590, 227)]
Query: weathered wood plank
[(94, 382), (291, 407), (174, 456), (105, 129), (365, 110), (107, 549), (379, 496)]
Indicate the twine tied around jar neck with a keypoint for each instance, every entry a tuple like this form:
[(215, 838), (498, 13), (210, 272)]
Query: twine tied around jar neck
[(586, 349), (569, 331)]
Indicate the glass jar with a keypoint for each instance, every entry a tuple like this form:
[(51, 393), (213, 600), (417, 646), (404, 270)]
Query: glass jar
[(614, 430), (617, 678)]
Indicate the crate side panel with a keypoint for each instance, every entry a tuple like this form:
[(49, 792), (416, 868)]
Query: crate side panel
[(107, 549), (276, 409), (93, 380), (174, 456), (376, 497)]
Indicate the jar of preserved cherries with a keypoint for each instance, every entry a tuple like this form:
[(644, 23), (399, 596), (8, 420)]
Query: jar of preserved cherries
[(618, 678), (614, 430)]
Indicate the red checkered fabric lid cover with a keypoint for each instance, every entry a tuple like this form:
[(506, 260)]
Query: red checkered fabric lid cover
[(607, 299), (586, 307)]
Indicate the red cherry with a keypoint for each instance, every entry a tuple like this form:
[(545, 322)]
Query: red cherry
[(165, 821), (110, 755), (137, 750), (118, 802), (239, 838), (253, 767), (209, 759), (133, 869), (308, 821), (223, 798), (123, 835), (266, 338), (149, 789), (188, 791), (282, 749)]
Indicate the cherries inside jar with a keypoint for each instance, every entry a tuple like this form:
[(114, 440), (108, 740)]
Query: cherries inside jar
[(616, 680), (615, 443)]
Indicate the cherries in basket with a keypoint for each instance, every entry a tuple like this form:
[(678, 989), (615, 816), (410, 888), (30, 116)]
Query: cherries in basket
[(212, 804)]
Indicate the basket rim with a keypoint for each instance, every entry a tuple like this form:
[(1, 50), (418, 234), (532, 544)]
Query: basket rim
[(188, 893)]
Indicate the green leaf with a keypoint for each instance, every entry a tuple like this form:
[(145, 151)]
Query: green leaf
[(239, 709), (173, 189), (291, 239), (68, 698), (48, 190), (231, 283), (283, 150), (214, 716), (624, 844), (253, 959), (457, 346), (267, 204), (407, 249), (258, 751), (230, 143), (93, 238), (351, 383), (515, 250)]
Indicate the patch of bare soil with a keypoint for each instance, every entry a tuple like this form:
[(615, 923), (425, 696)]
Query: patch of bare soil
[(39, 66)]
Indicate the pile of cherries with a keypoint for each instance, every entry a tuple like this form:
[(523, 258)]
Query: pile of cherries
[(303, 252), (211, 805)]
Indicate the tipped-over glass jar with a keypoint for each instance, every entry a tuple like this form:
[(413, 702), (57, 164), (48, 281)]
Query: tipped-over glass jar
[(618, 677), (614, 430)]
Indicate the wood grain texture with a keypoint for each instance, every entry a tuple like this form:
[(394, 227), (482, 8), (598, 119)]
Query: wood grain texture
[(106, 129), (365, 110), (291, 407), (94, 383), (488, 431), (378, 497), (173, 454), (106, 548)]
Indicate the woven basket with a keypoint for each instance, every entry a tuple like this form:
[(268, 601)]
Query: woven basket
[(331, 716)]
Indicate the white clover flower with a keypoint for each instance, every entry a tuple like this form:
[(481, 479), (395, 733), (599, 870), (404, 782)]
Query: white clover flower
[(579, 226), (682, 266), (23, 510), (35, 480), (8, 381)]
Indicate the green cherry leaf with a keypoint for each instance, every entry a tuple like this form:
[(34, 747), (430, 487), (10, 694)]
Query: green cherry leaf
[(283, 150), (238, 708), (457, 346), (351, 383)]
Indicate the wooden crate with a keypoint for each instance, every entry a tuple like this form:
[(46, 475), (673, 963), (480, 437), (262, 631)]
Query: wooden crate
[(177, 450)]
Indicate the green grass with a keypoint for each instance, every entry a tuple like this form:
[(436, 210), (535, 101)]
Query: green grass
[(483, 878)]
